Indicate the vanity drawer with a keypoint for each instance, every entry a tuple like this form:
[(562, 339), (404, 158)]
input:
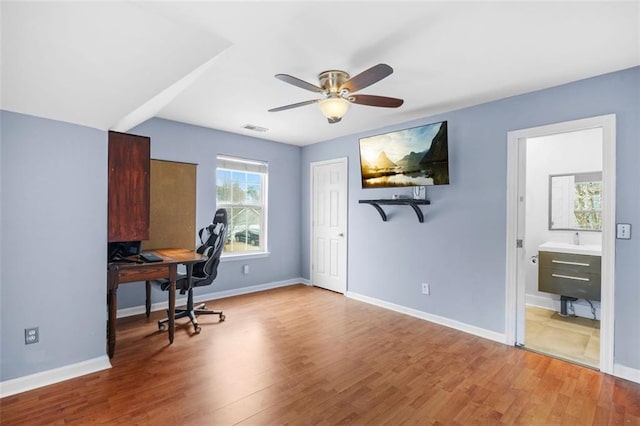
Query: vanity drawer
[(579, 263), (583, 285)]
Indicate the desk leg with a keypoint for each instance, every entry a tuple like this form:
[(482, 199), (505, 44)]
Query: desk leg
[(147, 302), (112, 305), (173, 269)]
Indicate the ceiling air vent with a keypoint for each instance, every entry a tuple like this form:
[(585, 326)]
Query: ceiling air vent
[(255, 128)]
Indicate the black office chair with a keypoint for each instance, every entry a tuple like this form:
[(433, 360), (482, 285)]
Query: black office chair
[(203, 273)]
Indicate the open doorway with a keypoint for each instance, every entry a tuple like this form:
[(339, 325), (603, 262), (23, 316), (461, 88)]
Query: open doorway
[(563, 245), (560, 252)]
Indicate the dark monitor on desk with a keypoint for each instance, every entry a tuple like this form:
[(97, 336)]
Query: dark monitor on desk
[(121, 249)]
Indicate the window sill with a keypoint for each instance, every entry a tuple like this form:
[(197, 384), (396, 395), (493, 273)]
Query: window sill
[(244, 256)]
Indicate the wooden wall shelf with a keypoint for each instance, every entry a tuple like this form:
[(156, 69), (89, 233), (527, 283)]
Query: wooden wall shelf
[(399, 202)]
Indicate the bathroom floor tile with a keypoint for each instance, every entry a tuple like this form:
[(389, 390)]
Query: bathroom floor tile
[(533, 329), (574, 339), (593, 348), (538, 314), (563, 341), (573, 324)]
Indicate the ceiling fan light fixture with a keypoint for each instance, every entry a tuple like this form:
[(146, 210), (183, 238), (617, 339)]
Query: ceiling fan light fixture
[(334, 108), (338, 91)]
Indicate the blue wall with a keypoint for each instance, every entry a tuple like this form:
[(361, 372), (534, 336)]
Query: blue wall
[(54, 231), (460, 249)]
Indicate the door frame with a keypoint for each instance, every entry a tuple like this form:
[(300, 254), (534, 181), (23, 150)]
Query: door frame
[(312, 165), (514, 287)]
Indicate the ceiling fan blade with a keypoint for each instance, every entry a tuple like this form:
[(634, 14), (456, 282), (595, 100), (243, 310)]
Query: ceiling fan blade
[(377, 101), (299, 104), (299, 83), (367, 78)]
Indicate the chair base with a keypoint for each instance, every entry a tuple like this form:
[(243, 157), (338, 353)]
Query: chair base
[(192, 314)]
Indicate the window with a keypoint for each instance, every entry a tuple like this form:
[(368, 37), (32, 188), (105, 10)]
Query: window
[(241, 188)]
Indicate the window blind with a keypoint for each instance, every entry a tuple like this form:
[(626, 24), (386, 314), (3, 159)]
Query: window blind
[(241, 164)]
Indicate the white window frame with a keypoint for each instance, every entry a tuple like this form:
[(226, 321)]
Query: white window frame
[(232, 163)]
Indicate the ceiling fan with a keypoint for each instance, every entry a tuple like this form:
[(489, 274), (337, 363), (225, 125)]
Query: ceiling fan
[(338, 90)]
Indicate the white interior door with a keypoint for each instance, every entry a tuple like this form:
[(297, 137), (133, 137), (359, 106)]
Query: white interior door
[(329, 224)]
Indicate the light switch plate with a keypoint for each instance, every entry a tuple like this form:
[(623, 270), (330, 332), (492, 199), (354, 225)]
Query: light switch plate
[(623, 231)]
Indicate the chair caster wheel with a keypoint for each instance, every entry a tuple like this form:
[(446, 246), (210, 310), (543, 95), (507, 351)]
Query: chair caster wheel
[(222, 318), (197, 329), (161, 327)]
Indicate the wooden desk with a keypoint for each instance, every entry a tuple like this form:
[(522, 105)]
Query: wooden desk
[(125, 272)]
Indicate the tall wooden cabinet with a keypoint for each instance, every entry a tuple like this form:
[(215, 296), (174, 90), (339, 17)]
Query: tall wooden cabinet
[(129, 177)]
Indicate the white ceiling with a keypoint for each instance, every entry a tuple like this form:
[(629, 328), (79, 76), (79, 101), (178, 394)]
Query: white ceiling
[(113, 65)]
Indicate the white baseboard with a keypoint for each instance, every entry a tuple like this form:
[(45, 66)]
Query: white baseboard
[(581, 309), (467, 328), (44, 378), (161, 306), (627, 373)]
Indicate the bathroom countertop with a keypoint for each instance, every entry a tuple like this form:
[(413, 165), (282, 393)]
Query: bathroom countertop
[(589, 249)]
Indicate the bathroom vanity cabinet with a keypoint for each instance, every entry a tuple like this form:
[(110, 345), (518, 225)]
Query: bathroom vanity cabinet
[(569, 274)]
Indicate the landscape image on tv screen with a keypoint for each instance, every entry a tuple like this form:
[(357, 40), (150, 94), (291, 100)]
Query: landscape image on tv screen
[(412, 157)]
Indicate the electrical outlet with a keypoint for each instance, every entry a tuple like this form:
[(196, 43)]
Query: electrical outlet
[(245, 269), (31, 335), (425, 288)]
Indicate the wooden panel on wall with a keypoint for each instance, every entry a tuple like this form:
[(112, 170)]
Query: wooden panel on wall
[(128, 199), (172, 220)]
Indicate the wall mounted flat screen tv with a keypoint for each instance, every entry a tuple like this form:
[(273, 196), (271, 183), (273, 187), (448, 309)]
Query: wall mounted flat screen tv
[(417, 156)]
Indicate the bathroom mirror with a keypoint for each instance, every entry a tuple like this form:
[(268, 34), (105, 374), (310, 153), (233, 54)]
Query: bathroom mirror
[(575, 201)]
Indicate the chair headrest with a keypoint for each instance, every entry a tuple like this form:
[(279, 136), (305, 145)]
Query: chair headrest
[(220, 216)]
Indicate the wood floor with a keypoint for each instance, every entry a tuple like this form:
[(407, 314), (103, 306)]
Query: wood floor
[(300, 355)]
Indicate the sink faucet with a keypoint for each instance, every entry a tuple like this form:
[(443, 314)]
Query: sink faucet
[(576, 239)]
